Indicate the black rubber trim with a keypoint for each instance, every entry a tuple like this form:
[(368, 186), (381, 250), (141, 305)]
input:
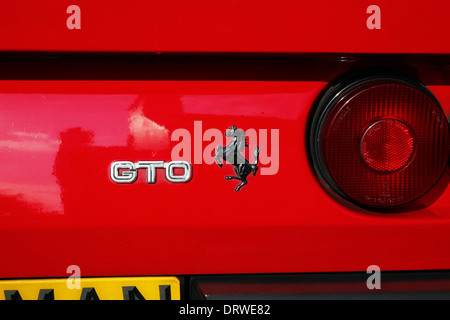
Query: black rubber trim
[(323, 286)]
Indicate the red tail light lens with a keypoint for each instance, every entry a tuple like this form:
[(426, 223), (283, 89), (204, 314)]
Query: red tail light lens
[(380, 143)]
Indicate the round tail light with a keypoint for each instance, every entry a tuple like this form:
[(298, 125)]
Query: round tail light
[(380, 143)]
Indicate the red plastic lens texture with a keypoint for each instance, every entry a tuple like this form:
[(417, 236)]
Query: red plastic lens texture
[(388, 145), (385, 144)]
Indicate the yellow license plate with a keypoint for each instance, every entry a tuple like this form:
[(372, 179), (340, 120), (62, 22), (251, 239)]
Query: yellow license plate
[(120, 288)]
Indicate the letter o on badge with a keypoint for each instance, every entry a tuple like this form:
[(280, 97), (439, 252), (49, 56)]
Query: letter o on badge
[(172, 177), (123, 172)]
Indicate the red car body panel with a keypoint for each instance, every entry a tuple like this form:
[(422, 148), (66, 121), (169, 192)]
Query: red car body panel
[(226, 26), (62, 126), (60, 207)]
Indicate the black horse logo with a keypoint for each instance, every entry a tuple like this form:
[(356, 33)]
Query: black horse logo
[(232, 154)]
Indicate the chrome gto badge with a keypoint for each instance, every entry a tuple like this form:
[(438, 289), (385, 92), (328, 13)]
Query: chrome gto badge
[(127, 171)]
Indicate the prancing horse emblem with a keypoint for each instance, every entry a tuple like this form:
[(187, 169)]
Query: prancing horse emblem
[(232, 154)]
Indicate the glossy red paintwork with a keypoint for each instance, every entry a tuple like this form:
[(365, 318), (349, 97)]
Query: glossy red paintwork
[(65, 119), (60, 208), (407, 26)]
